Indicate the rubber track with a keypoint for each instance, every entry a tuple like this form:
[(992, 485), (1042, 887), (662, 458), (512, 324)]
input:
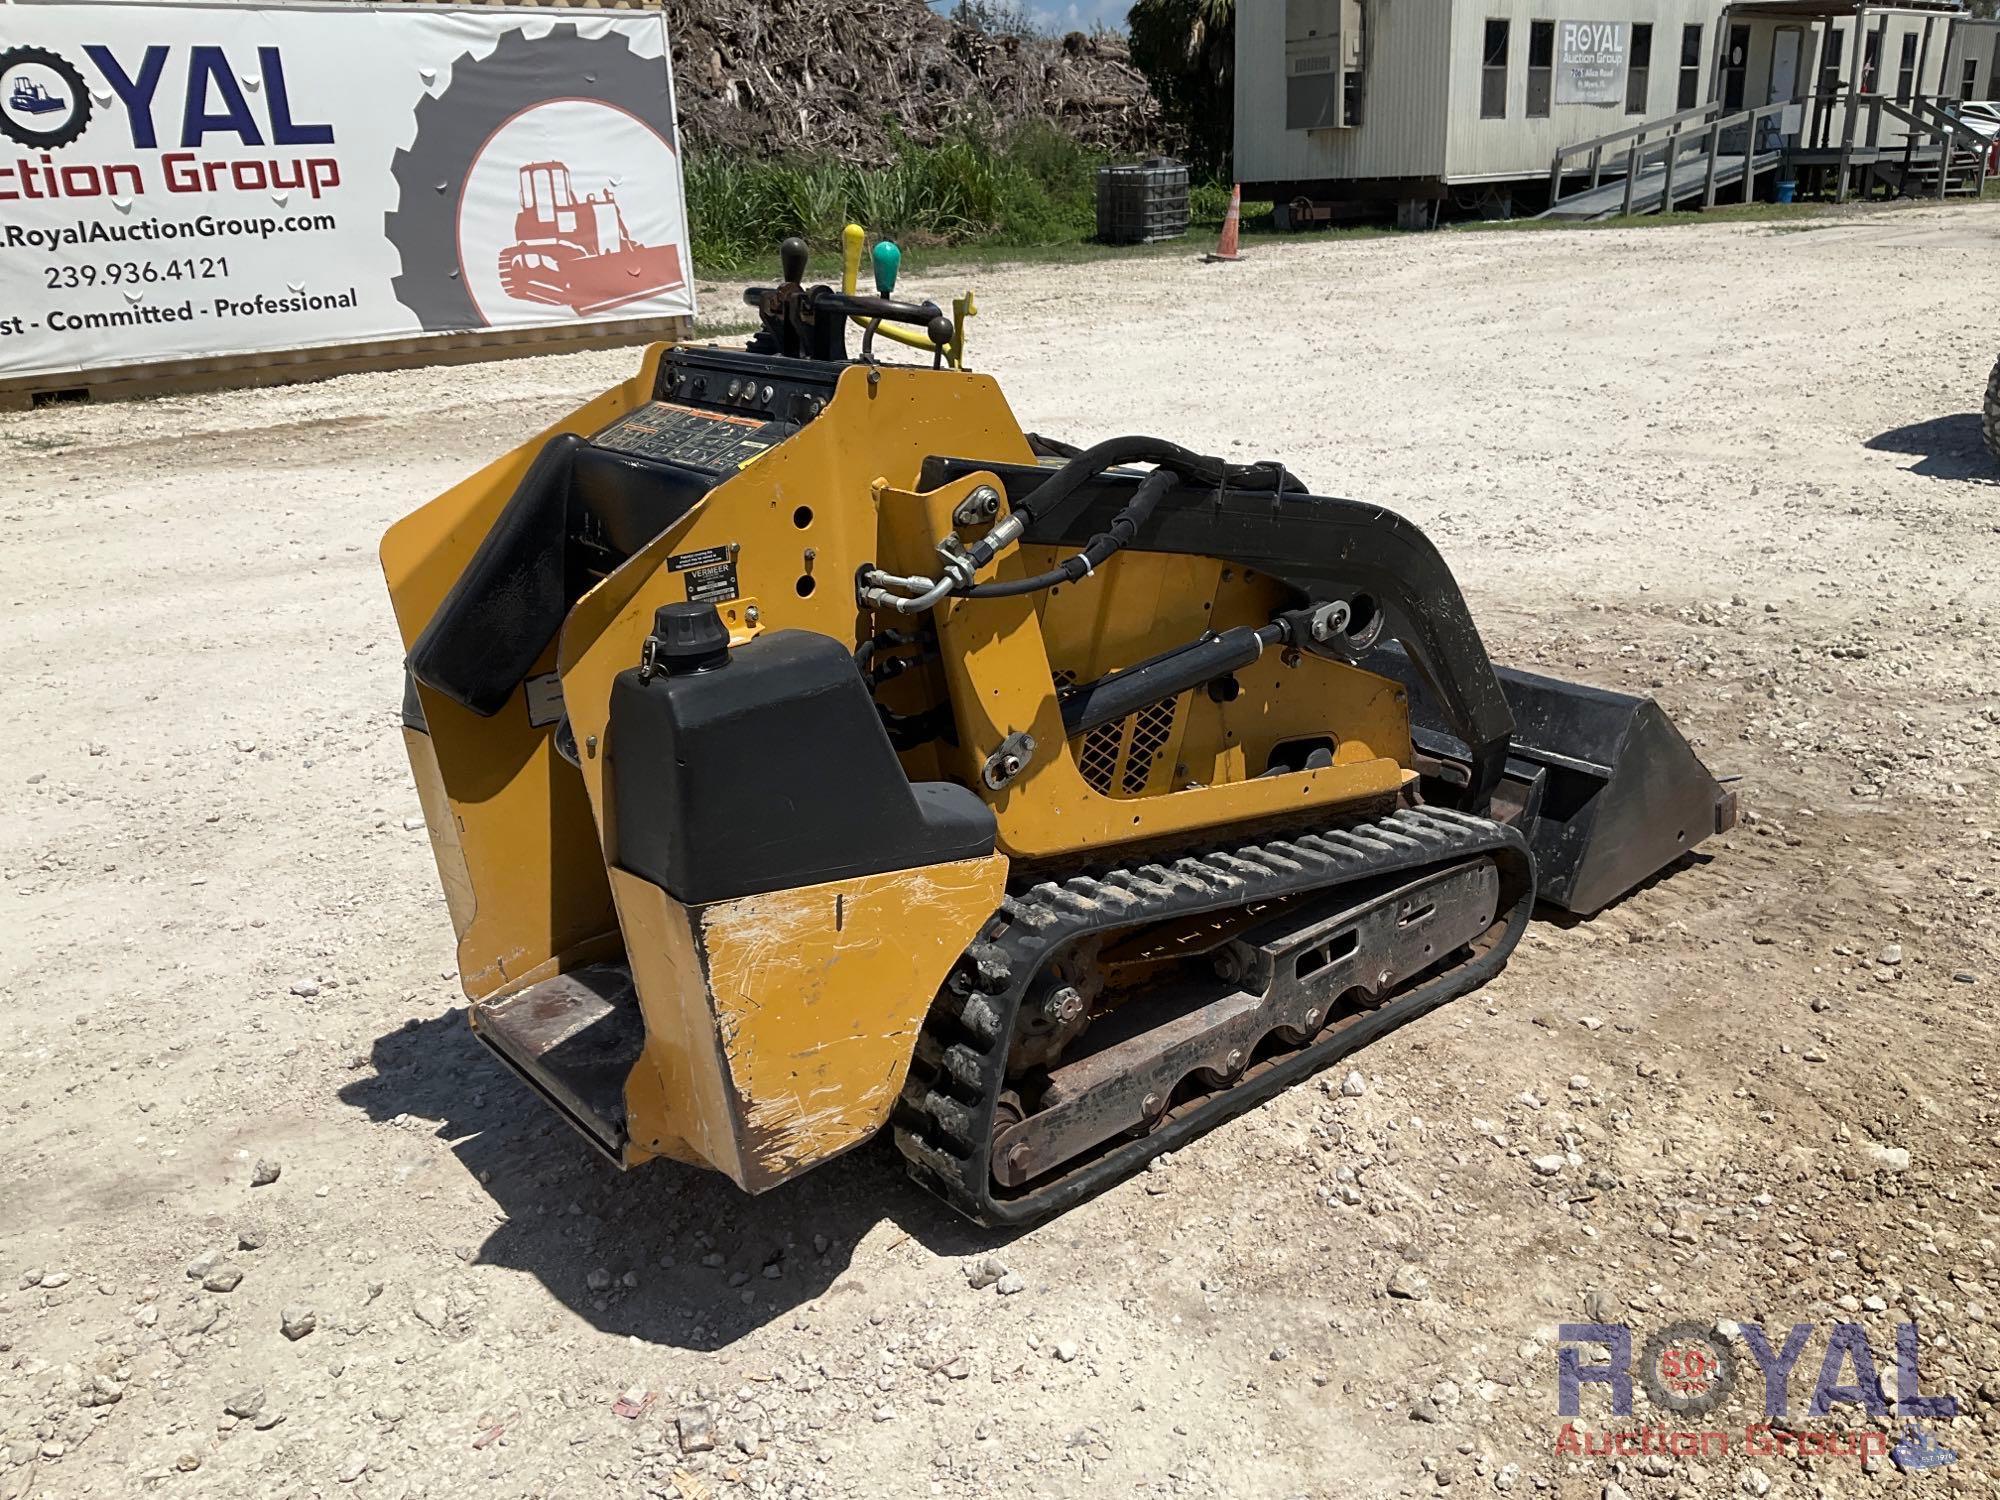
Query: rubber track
[(944, 1121)]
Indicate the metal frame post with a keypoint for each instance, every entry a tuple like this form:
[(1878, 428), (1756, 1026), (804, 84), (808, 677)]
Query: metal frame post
[(1721, 55), (1635, 163), (1816, 133), (1881, 67), (1856, 55)]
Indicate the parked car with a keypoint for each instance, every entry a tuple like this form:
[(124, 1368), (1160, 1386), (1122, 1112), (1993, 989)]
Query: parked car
[(1983, 116)]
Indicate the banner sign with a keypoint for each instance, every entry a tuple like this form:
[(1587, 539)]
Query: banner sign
[(1591, 58), (185, 180)]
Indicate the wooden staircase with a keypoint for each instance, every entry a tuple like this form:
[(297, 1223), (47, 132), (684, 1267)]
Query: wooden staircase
[(1940, 156), (1963, 169)]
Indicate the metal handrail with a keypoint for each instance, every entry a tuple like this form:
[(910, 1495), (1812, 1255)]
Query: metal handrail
[(1925, 113), (1713, 125), (1946, 128), (1946, 122), (1596, 146)]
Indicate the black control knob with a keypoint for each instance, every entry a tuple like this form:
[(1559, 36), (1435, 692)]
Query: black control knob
[(792, 257), (686, 638)]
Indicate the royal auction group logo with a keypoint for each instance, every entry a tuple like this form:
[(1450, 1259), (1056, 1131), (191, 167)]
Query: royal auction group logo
[(43, 100), (188, 115), (543, 174), (1689, 1370)]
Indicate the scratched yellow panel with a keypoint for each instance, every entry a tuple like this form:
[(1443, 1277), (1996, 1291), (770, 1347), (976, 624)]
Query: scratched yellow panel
[(819, 993), (459, 898), (676, 1099)]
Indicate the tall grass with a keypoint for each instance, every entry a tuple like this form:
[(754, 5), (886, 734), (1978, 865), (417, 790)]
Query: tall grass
[(1037, 187)]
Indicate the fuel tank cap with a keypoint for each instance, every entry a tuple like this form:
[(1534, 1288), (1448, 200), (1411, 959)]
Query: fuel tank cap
[(686, 638)]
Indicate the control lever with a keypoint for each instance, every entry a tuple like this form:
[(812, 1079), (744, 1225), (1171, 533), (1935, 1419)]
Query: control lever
[(811, 321), (926, 315)]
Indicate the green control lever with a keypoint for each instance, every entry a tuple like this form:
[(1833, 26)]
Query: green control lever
[(888, 260)]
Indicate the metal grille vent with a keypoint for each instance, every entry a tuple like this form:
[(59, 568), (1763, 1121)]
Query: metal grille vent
[(1151, 729), (1098, 760), (1315, 62), (1121, 754)]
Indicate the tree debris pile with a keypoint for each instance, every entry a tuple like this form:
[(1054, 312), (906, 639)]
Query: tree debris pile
[(848, 78)]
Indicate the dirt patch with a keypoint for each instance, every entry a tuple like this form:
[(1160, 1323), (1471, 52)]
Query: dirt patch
[(1759, 1090)]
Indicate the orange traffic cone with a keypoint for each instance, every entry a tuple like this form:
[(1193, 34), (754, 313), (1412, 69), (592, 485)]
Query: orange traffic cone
[(1232, 224)]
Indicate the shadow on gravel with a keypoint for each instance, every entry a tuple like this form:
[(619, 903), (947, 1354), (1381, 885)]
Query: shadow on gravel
[(1945, 448), (570, 1213)]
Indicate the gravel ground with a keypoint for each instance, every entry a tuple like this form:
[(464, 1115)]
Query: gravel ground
[(1735, 466)]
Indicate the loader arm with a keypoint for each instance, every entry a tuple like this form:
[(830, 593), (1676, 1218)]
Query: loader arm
[(1326, 549)]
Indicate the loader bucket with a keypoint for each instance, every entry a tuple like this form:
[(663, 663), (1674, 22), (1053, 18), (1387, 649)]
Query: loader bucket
[(1605, 788)]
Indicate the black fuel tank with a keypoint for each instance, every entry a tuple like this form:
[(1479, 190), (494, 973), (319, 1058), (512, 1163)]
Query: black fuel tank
[(766, 766)]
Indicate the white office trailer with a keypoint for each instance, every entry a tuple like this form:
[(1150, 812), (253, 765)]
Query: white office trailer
[(1450, 107), (1973, 64)]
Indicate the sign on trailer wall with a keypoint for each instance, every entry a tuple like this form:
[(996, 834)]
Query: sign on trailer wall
[(1591, 60), (181, 180)]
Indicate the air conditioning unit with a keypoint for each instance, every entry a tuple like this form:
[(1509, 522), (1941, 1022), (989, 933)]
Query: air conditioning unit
[(1323, 61)]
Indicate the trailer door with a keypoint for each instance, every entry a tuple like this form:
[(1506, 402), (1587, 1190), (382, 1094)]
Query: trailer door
[(1785, 47)]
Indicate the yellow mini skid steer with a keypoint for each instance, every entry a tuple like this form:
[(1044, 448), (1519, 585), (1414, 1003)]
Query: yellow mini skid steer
[(807, 751)]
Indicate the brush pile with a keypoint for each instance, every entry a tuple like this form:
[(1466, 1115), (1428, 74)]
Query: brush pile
[(850, 79)]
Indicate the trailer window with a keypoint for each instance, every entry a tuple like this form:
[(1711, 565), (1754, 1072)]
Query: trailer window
[(1829, 72), (1906, 69), (1736, 66), (1871, 60), (1493, 73), (1690, 93), (1541, 68), (1971, 78), (1639, 71)]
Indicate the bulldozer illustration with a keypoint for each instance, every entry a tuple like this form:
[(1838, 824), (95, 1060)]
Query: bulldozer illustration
[(576, 252), (30, 98), (808, 752)]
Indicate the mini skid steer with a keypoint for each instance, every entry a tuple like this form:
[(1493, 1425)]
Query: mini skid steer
[(807, 751)]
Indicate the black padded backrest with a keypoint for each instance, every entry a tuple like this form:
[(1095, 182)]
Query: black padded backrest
[(509, 602), (538, 560)]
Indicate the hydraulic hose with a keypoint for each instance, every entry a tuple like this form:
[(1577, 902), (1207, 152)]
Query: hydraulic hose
[(1173, 465), (1123, 528), (1192, 467)]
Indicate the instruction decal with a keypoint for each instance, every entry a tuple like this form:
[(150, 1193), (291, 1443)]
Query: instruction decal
[(545, 699), (711, 573)]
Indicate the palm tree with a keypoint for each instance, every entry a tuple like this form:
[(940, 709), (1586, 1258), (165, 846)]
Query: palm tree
[(1187, 50)]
